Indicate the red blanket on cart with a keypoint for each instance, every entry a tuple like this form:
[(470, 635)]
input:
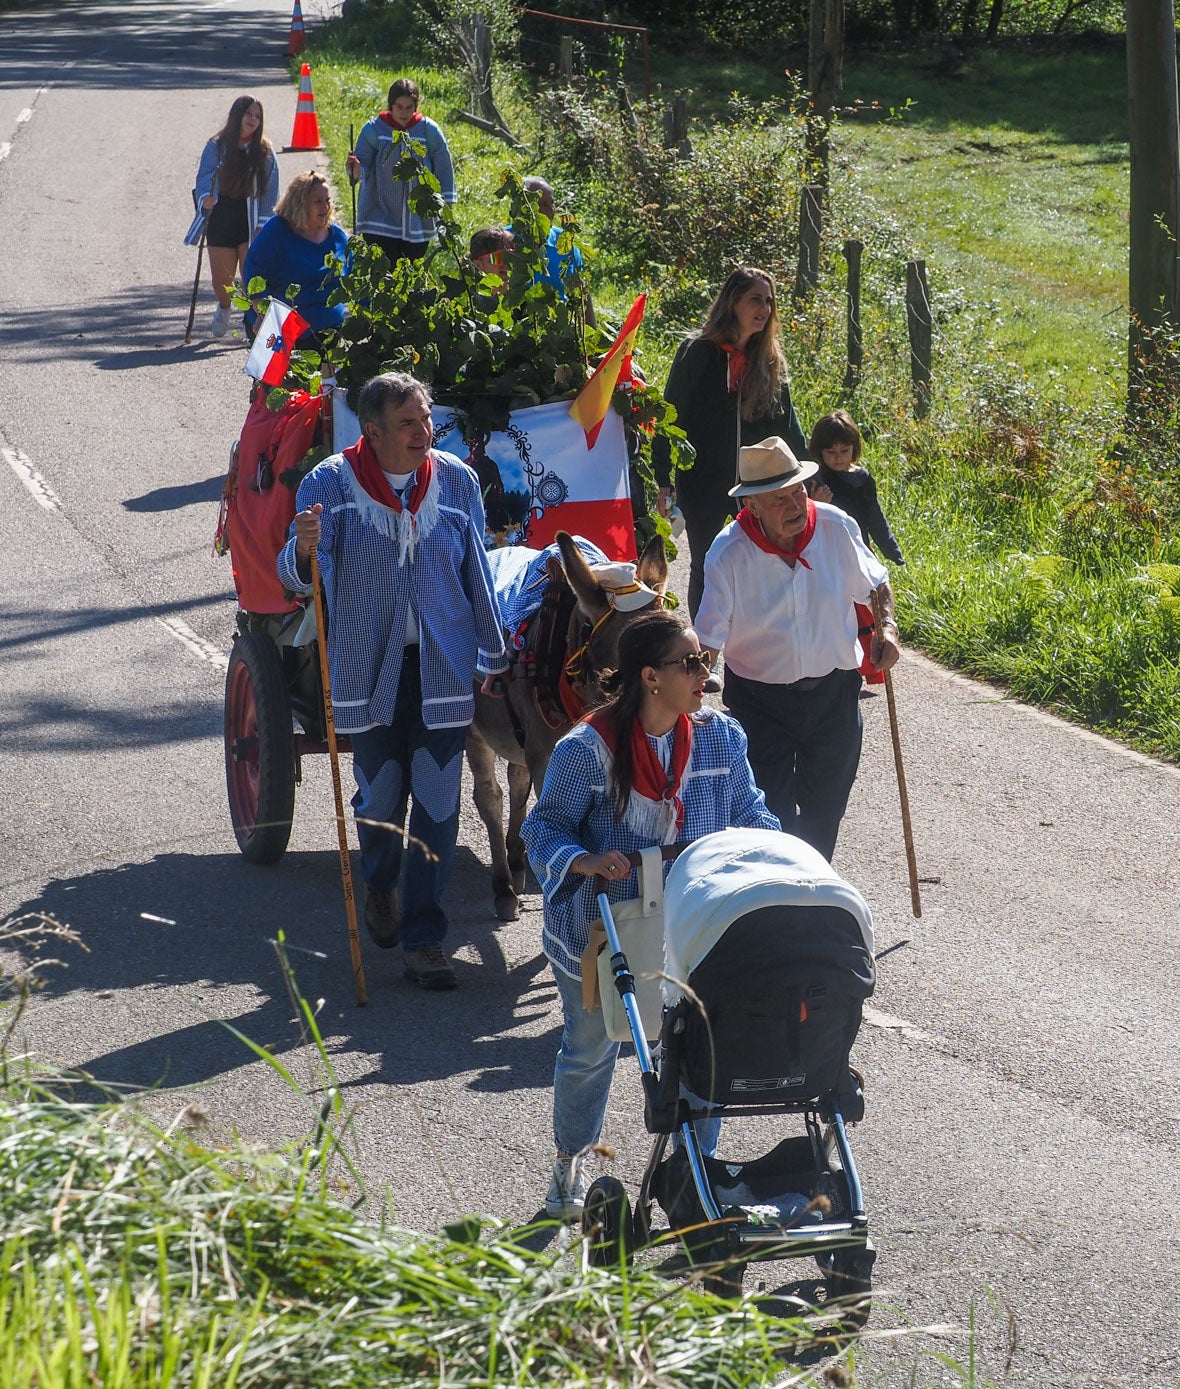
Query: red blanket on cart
[(258, 508)]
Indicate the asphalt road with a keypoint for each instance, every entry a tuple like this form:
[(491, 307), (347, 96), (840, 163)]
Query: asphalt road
[(1019, 1154)]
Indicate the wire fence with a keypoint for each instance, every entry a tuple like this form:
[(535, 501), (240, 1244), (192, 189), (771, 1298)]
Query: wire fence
[(559, 48)]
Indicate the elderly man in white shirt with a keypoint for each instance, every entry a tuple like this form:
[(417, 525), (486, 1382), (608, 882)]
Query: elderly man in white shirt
[(780, 584)]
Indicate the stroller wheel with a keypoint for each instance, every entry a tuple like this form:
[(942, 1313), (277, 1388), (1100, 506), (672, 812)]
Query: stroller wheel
[(851, 1284), (606, 1223), (724, 1279)]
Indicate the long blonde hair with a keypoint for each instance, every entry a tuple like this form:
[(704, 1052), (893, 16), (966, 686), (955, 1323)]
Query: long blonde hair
[(766, 367)]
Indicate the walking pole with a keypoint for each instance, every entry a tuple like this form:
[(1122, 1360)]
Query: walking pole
[(192, 308), (906, 828), (351, 180), (354, 944)]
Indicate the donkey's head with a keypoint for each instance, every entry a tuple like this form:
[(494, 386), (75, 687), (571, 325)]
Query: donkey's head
[(607, 602)]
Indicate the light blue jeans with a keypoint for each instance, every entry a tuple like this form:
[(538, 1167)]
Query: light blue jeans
[(582, 1075)]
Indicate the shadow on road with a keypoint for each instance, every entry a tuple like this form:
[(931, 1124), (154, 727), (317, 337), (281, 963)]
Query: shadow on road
[(25, 628), (94, 43), (183, 494), (210, 920)]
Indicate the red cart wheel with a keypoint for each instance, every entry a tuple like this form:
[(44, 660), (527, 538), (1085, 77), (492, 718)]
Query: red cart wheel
[(259, 748)]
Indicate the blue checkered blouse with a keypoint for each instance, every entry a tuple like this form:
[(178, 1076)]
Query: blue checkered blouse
[(369, 595), (573, 816)]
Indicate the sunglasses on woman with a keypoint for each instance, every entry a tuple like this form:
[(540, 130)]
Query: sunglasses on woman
[(693, 662)]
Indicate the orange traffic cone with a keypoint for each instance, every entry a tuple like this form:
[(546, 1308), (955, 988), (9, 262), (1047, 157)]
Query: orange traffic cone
[(306, 134), (295, 42)]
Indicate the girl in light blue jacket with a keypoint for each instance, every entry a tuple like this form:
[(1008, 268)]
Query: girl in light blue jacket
[(237, 186)]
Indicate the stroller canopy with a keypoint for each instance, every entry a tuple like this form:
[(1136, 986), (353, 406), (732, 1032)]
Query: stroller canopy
[(724, 876)]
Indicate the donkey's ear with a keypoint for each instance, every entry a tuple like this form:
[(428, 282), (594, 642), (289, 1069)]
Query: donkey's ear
[(588, 591), (652, 568)]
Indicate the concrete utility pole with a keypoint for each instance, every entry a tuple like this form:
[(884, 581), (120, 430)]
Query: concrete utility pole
[(1155, 181)]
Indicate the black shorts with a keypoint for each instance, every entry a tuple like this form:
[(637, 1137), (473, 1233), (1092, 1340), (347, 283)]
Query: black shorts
[(229, 223)]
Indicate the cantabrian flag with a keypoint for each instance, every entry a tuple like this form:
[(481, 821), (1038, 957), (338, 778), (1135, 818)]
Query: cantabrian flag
[(593, 401), (273, 344)]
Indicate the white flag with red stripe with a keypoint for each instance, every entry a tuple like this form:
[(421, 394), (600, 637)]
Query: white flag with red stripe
[(274, 342)]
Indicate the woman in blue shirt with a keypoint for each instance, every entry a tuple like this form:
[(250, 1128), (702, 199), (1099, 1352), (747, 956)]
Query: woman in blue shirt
[(291, 249), (651, 767)]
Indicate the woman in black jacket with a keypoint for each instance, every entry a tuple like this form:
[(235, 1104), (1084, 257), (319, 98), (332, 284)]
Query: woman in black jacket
[(736, 357)]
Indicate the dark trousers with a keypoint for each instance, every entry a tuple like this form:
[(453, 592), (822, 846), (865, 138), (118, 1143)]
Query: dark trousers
[(391, 763), (395, 248), (804, 748), (701, 528)]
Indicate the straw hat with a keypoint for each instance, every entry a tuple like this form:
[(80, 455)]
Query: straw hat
[(769, 467), (624, 592)]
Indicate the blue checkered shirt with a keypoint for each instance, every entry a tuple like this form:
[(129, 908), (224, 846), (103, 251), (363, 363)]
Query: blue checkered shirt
[(369, 596), (573, 816)]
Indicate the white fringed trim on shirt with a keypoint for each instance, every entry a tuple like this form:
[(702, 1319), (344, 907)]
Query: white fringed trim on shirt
[(654, 821), (404, 527)]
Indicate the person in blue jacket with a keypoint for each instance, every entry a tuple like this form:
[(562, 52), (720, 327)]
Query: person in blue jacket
[(384, 214), (237, 184), (291, 249), (652, 766)]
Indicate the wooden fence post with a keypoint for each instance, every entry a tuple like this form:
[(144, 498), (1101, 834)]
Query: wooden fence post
[(921, 325), (676, 127), (852, 254), (811, 218), (565, 58)]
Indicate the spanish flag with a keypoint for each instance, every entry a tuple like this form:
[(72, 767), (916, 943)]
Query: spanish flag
[(593, 401)]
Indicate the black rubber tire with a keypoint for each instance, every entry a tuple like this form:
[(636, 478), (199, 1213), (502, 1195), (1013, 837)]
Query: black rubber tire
[(607, 1223), (850, 1286), (261, 785)]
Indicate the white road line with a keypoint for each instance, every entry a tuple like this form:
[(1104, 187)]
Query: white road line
[(24, 116), (194, 643), (5, 150), (888, 1023), (41, 492)]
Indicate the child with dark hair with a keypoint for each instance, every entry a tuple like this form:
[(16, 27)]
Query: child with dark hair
[(836, 446)]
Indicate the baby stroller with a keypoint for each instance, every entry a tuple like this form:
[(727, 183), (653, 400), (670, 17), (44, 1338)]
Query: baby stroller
[(776, 951)]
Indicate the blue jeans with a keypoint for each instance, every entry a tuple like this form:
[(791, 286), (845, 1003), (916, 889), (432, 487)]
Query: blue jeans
[(391, 763), (582, 1075)]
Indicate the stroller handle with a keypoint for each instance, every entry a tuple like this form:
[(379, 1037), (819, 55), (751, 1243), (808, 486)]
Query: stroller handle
[(667, 853)]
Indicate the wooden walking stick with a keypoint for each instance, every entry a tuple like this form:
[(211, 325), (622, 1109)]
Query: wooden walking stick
[(351, 180), (907, 828), (354, 943), (192, 308)]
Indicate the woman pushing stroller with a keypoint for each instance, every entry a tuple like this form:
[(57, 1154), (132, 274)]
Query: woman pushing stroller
[(650, 767)]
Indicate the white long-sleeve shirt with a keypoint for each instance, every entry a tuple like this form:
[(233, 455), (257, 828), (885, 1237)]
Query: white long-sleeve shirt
[(779, 623)]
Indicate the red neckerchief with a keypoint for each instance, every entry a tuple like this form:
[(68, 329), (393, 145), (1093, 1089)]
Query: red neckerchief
[(738, 365), (363, 462), (749, 523), (651, 781), (391, 120)]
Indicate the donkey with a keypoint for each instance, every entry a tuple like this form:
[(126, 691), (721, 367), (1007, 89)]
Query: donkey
[(514, 728)]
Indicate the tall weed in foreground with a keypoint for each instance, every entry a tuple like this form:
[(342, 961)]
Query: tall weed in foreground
[(137, 1258)]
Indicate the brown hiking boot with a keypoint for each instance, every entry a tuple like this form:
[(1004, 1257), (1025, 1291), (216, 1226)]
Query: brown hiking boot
[(383, 917), (429, 968)]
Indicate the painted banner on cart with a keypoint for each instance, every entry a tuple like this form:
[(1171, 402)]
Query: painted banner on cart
[(538, 476)]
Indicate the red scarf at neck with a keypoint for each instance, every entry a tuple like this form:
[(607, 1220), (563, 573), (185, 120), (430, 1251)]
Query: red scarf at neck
[(650, 780), (749, 523), (739, 365), (390, 119), (363, 462)]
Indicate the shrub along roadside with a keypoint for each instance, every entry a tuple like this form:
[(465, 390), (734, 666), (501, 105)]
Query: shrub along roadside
[(1007, 479)]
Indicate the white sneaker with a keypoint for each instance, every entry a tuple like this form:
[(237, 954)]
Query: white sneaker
[(220, 322), (567, 1190)]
